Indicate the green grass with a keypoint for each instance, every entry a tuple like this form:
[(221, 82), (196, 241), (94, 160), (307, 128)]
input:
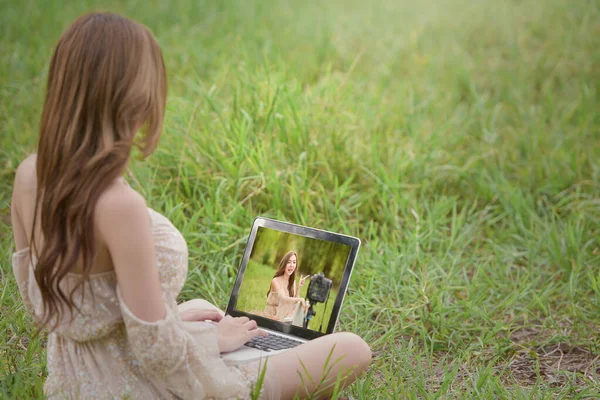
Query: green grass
[(460, 140), (253, 295)]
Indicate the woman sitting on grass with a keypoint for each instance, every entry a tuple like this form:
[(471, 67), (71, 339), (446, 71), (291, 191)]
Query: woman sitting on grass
[(101, 271), (282, 296)]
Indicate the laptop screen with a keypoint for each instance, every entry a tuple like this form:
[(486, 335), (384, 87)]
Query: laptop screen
[(293, 279)]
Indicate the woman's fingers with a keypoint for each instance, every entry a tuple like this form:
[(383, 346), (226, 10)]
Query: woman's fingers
[(251, 325), (243, 320), (256, 332)]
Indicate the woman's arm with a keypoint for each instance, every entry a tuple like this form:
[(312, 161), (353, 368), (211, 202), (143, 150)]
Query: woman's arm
[(24, 187), (124, 225), (284, 296)]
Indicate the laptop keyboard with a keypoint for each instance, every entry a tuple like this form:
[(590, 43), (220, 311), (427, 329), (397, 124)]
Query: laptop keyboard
[(272, 342)]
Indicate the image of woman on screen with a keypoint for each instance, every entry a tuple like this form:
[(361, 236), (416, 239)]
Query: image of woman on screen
[(282, 297)]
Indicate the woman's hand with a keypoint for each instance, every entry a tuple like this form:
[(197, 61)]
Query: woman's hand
[(235, 331), (302, 279), (198, 314)]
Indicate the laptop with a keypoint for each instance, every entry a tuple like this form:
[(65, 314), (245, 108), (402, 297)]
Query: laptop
[(277, 256)]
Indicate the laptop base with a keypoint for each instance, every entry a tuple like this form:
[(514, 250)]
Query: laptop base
[(246, 354)]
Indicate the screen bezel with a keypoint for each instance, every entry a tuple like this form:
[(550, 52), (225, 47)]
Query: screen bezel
[(261, 222)]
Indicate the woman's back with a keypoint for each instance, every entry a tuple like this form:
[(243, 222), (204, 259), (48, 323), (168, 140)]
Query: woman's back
[(23, 211), (103, 350)]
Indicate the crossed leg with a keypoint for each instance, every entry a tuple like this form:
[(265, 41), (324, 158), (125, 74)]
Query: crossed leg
[(301, 370)]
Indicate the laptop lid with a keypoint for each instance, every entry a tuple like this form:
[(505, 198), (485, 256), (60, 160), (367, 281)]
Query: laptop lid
[(270, 252)]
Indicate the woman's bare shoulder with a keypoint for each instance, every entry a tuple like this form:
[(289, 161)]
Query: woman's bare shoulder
[(119, 199), (117, 206)]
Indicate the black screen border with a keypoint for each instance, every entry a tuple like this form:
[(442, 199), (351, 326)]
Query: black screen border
[(262, 222)]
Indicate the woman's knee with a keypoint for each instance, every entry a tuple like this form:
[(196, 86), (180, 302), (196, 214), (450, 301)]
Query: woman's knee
[(354, 346), (197, 304)]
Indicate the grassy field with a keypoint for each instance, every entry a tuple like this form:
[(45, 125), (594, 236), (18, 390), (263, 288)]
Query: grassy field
[(460, 140), (253, 295)]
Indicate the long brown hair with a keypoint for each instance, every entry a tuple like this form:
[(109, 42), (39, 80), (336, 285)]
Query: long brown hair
[(281, 271), (106, 79)]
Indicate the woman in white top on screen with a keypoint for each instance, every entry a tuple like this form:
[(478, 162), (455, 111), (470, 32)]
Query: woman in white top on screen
[(282, 297)]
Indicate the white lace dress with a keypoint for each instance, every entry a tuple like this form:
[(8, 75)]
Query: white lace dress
[(105, 352)]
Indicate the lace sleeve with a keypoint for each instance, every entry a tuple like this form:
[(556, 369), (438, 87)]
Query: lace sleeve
[(185, 357)]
